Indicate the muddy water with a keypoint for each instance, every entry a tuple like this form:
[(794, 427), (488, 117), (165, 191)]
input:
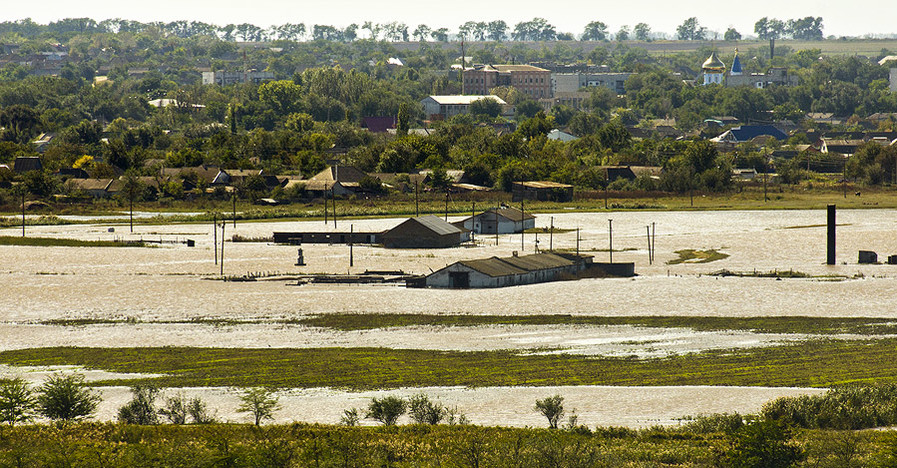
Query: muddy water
[(173, 283)]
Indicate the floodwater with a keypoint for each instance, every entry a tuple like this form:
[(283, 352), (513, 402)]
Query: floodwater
[(146, 287)]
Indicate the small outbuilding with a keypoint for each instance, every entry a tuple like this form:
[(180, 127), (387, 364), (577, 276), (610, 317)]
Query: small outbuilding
[(424, 232), (541, 190), (495, 272), (502, 220)]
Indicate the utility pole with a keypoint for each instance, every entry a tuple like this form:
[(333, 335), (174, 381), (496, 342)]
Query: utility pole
[(215, 235), (223, 224), (325, 205), (235, 213), (416, 198), (577, 241), (351, 256), (606, 184), (24, 193), (446, 206), (522, 229), (551, 236), (496, 225), (650, 259), (473, 220), (333, 203), (610, 239)]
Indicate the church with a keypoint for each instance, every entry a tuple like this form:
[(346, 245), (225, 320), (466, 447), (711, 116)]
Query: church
[(714, 72)]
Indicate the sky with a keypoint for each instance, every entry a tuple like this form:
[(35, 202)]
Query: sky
[(839, 18)]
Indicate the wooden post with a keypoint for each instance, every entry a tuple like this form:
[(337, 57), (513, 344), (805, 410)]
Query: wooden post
[(235, 218), (223, 225), (325, 205), (215, 235), (131, 208), (522, 229), (446, 206), (648, 229), (416, 199), (551, 236), (473, 219), (610, 239), (606, 184), (333, 203), (24, 193), (577, 240), (351, 256), (496, 225), (653, 243)]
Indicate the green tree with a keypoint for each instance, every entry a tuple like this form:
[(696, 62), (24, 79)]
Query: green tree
[(282, 96), (642, 32), (622, 34), (595, 31), (732, 35), (487, 107), (17, 402), (424, 411), (691, 30), (175, 409), (807, 29), (261, 403), (142, 407), (66, 398), (769, 28), (762, 444), (386, 410), (552, 408), (402, 120)]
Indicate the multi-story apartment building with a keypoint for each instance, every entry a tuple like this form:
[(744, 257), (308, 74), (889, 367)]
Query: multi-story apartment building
[(532, 81)]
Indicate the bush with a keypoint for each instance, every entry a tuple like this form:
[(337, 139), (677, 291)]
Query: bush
[(762, 444), (386, 410), (552, 408), (142, 407), (705, 424), (17, 403), (424, 411), (175, 409), (261, 403), (66, 398)]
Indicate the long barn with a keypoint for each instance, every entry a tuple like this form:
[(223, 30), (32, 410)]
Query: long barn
[(495, 272)]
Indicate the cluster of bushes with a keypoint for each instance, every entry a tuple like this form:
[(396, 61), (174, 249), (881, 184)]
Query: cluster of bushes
[(841, 408)]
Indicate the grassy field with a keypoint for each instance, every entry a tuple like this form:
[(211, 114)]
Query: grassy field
[(819, 363), (53, 242), (350, 322), (746, 198)]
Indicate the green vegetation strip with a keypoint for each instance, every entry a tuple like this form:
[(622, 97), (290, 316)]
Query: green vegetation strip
[(54, 242), (697, 256), (815, 364), (800, 325)]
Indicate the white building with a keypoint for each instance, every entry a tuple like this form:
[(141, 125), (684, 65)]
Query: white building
[(506, 219), (714, 70), (450, 106), (495, 272)]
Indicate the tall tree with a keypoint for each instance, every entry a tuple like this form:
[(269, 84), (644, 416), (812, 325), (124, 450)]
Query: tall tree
[(732, 35), (769, 28), (808, 28), (623, 33), (422, 32), (691, 30), (595, 31), (642, 32), (497, 30)]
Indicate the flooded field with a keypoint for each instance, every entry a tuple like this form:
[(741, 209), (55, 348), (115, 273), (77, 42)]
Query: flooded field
[(170, 282)]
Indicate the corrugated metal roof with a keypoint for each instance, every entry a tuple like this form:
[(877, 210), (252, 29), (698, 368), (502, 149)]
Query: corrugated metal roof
[(437, 225), (543, 184), (508, 212), (493, 267), (507, 266)]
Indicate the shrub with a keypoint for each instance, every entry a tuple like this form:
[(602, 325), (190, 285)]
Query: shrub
[(199, 412), (261, 403), (142, 407), (175, 409), (552, 408), (386, 410), (762, 444), (66, 398), (424, 411), (17, 403)]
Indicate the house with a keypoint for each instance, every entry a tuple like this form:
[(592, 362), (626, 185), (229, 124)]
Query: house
[(505, 220), (571, 82), (337, 180), (618, 172), (495, 272), (444, 107), (378, 124), (97, 188), (24, 164), (424, 232), (541, 190), (745, 133), (193, 177), (559, 135)]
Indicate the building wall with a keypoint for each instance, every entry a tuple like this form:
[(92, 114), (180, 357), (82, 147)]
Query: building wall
[(533, 83), (572, 82), (440, 279)]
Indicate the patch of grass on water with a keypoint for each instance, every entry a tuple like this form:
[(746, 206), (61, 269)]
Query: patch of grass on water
[(784, 325), (810, 364), (55, 242), (351, 322), (697, 256)]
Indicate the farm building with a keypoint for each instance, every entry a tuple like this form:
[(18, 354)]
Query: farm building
[(424, 232), (505, 220), (498, 272), (542, 191)]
